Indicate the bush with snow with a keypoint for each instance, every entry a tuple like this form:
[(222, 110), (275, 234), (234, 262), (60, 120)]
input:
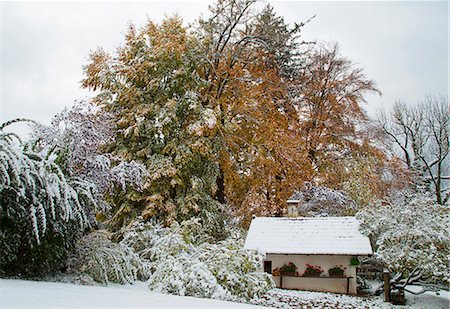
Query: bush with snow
[(76, 138), (320, 201), (42, 211), (107, 262), (182, 276), (184, 263), (408, 232)]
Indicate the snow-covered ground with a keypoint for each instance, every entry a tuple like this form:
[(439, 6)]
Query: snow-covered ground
[(428, 299), (37, 295), (48, 295), (303, 299)]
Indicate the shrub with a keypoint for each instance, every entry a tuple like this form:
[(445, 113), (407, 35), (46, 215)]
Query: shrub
[(42, 211), (184, 263), (97, 256), (407, 232), (183, 276), (354, 261)]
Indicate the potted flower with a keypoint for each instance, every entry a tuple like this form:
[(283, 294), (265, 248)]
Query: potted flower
[(288, 270), (336, 271), (276, 272), (312, 271), (354, 261)]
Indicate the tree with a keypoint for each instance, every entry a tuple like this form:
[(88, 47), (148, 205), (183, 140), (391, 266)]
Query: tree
[(151, 88), (328, 97), (421, 134), (229, 116), (200, 109), (408, 231), (248, 58), (42, 211), (318, 201), (77, 138)]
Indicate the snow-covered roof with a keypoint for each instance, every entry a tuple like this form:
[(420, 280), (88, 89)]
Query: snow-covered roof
[(307, 235)]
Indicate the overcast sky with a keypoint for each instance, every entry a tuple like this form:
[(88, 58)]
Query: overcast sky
[(403, 46)]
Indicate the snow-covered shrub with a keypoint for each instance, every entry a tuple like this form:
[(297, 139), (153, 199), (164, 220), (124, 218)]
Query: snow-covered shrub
[(409, 232), (76, 137), (97, 256), (236, 269), (183, 262), (362, 285), (156, 243), (42, 211), (181, 275), (320, 201)]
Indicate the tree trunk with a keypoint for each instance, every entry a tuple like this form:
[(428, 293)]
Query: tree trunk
[(220, 194)]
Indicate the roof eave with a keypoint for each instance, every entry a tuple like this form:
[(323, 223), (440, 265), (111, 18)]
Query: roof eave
[(343, 254)]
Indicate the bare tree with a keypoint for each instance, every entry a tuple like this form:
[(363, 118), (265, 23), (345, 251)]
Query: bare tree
[(419, 135)]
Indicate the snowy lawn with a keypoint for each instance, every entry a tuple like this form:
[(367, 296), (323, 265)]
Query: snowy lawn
[(37, 295), (303, 299)]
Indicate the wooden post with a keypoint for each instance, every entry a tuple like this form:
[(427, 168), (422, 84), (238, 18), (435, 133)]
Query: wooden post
[(387, 286), (281, 281), (348, 284)]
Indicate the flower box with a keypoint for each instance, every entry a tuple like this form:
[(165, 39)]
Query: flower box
[(336, 275), (286, 270), (312, 271), (288, 273), (336, 272), (311, 275)]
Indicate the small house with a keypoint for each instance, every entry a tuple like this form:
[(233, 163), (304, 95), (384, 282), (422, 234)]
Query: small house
[(310, 253)]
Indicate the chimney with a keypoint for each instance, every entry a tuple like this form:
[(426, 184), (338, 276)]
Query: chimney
[(294, 203)]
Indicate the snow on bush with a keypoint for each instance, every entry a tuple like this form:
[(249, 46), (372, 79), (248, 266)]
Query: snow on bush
[(320, 201), (76, 137), (107, 262), (36, 186), (184, 263), (286, 299), (155, 243), (42, 211), (180, 275), (409, 232)]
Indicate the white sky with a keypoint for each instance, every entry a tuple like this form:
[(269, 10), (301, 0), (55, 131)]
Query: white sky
[(403, 46)]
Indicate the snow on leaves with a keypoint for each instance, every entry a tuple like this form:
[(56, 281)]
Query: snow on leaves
[(75, 138), (184, 263), (176, 260), (323, 201), (410, 232), (107, 262), (34, 188)]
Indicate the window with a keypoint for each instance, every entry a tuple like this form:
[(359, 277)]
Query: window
[(268, 267)]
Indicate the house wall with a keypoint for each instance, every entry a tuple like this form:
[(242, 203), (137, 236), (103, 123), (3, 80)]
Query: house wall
[(323, 284)]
